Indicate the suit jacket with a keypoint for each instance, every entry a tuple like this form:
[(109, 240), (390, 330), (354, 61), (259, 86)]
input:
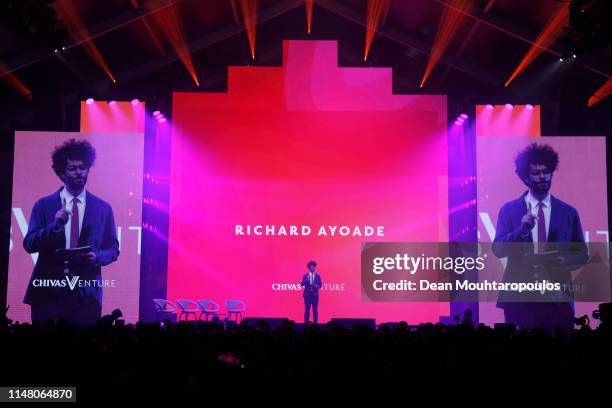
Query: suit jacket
[(564, 235), (98, 231), (311, 291)]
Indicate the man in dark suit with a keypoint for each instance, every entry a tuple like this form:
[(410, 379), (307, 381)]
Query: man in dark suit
[(64, 286), (542, 238), (311, 282)]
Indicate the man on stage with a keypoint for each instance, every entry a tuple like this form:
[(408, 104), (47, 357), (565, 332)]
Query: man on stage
[(68, 219), (552, 244), (311, 282)]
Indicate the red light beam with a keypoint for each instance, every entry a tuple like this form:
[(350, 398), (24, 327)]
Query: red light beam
[(375, 11), (170, 23), (249, 15), (14, 82), (79, 32), (309, 4), (602, 92), (453, 16), (549, 34)]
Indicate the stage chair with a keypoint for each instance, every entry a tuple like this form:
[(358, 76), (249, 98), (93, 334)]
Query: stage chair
[(188, 308), (165, 309), (209, 308), (235, 307)]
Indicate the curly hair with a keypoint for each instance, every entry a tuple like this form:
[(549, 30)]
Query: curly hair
[(535, 154), (313, 263), (74, 150)]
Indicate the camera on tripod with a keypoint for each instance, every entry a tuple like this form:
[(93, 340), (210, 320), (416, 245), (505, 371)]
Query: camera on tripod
[(603, 313)]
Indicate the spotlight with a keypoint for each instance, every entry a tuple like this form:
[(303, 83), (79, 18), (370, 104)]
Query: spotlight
[(529, 106), (156, 113), (112, 103), (509, 106), (463, 116), (162, 120), (458, 123), (135, 101), (489, 106), (89, 101), (561, 59), (64, 48)]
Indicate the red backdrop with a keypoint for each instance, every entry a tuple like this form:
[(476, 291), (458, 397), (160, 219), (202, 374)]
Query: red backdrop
[(304, 144)]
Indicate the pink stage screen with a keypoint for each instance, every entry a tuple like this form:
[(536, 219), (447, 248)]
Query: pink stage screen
[(580, 181), (296, 163), (116, 178)]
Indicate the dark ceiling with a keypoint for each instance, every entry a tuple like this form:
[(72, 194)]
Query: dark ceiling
[(482, 54)]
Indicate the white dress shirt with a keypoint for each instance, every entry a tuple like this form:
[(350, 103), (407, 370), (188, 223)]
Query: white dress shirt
[(531, 200), (67, 203), (311, 277)]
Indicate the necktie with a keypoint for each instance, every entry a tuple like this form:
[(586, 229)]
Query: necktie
[(311, 278), (541, 223), (74, 224)]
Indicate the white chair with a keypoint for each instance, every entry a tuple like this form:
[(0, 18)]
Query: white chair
[(165, 309), (209, 308), (188, 308), (235, 307)]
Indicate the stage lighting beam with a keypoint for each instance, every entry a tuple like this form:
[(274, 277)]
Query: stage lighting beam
[(550, 33), (309, 6), (601, 93), (249, 16), (15, 82), (452, 18), (373, 16), (79, 32), (170, 23)]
